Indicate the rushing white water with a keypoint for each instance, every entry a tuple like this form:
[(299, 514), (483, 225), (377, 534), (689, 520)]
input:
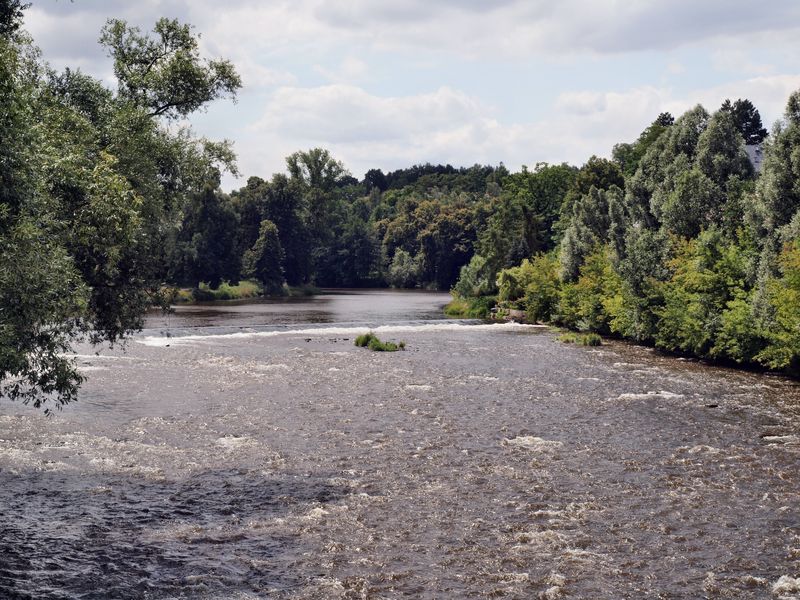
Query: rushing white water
[(484, 461), (449, 327)]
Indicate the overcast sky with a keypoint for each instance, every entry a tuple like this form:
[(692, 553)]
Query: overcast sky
[(389, 84)]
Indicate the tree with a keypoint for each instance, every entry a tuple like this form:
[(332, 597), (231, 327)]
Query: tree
[(776, 200), (284, 205), (694, 203), (90, 187), (375, 179), (210, 249), (474, 279), (11, 16), (590, 226), (403, 270), (627, 156), (747, 119), (316, 169), (524, 219), (165, 74), (720, 152), (672, 153), (263, 261)]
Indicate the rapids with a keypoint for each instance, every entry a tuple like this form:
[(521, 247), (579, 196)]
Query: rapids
[(252, 451)]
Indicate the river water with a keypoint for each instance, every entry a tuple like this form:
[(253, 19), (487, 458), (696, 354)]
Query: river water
[(251, 451)]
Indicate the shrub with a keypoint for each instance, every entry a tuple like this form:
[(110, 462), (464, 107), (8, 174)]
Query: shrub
[(471, 308), (568, 338), (587, 339), (363, 340), (371, 341), (226, 291), (533, 286), (591, 339)]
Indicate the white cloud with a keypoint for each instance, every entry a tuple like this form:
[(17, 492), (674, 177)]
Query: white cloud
[(471, 28), (447, 126), (528, 27), (350, 69), (675, 68), (738, 60), (357, 44)]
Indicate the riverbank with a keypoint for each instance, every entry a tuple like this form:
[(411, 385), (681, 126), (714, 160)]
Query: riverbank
[(245, 289)]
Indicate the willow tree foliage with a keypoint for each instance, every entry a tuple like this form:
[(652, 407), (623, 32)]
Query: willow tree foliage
[(699, 255), (91, 183), (163, 73)]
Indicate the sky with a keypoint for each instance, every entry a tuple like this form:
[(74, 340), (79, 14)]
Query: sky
[(388, 84)]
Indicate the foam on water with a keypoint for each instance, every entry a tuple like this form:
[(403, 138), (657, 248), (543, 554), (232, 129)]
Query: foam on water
[(649, 396), (787, 585), (532, 442), (162, 341)]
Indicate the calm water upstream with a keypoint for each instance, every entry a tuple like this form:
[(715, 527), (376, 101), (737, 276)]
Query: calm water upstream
[(251, 451)]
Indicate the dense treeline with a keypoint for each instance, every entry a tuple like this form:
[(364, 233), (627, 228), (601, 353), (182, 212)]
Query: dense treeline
[(409, 228), (676, 242), (105, 203)]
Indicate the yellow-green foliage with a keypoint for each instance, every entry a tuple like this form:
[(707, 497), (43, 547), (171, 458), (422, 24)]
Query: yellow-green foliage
[(247, 288), (783, 351), (371, 341), (363, 340), (470, 308), (587, 339), (588, 304), (591, 339), (707, 276), (533, 286)]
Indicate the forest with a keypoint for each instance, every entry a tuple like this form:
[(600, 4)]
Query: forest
[(676, 241), (107, 203)]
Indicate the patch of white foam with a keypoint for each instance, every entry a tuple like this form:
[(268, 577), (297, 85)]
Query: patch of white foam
[(787, 585), (556, 581), (532, 442), (782, 439), (649, 396), (542, 540), (315, 514), (230, 442), (700, 449), (418, 387), (161, 342), (482, 378), (98, 357), (273, 367)]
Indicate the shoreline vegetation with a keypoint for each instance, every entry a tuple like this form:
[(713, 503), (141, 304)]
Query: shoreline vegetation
[(243, 290)]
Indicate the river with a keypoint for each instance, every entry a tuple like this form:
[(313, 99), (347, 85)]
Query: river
[(250, 450)]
